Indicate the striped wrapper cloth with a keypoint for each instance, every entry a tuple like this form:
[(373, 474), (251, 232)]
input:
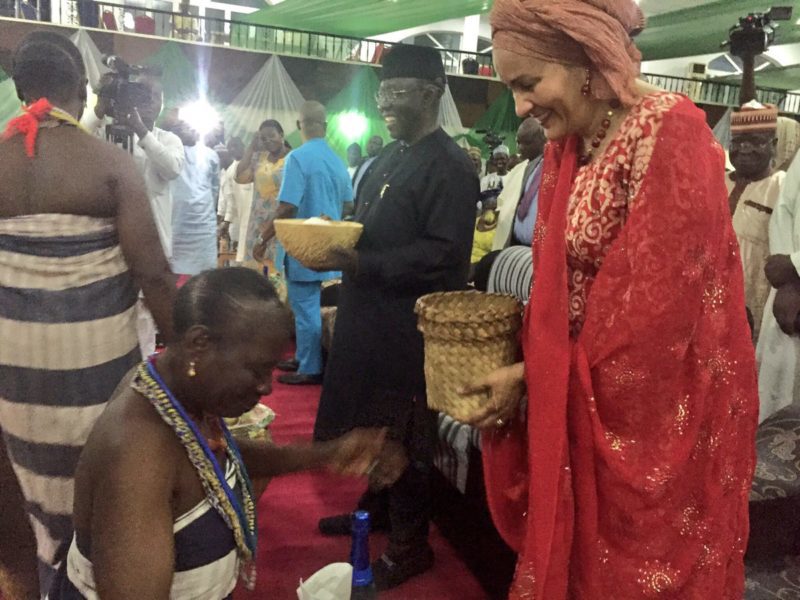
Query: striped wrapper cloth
[(68, 331)]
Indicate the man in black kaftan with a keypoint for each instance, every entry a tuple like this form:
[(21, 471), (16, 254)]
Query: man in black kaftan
[(417, 205)]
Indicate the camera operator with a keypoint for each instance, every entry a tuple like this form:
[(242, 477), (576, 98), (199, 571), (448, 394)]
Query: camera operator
[(159, 155)]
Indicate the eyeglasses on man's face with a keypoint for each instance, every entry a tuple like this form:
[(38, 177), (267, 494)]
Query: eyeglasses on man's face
[(389, 96)]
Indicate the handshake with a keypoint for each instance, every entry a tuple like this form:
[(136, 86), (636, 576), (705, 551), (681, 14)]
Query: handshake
[(367, 452)]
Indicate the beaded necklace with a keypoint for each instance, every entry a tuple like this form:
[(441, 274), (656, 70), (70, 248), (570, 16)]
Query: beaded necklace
[(39, 114), (586, 157), (239, 516)]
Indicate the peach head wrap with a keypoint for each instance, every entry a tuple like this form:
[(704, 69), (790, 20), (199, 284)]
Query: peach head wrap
[(596, 34)]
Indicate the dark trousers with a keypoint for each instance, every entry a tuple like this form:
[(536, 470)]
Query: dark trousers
[(407, 504)]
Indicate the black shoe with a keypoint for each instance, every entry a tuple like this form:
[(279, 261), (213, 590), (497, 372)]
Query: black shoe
[(340, 525), (392, 570), (300, 379), (288, 366)]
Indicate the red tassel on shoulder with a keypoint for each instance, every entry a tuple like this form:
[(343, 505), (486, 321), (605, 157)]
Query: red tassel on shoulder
[(27, 124)]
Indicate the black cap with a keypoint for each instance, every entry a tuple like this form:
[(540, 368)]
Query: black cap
[(418, 62)]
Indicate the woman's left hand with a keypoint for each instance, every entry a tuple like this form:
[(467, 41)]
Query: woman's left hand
[(506, 386)]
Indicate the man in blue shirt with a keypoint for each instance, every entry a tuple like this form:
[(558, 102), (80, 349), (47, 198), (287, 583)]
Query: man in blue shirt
[(315, 183)]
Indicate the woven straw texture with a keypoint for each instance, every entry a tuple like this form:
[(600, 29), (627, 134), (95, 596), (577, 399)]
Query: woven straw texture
[(311, 243), (467, 336)]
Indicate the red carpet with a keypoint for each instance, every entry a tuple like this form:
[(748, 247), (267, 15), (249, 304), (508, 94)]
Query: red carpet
[(290, 547)]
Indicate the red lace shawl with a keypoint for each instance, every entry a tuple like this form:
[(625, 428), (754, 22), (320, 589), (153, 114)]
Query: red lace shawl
[(630, 476)]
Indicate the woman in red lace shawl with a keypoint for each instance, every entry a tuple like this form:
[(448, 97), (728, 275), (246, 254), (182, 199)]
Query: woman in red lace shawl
[(627, 474)]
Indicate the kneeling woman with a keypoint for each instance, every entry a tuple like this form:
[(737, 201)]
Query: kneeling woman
[(164, 507)]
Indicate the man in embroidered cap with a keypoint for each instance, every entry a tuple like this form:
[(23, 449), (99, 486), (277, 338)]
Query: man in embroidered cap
[(418, 208), (754, 191)]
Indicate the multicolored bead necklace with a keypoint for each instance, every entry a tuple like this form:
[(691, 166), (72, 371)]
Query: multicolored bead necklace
[(239, 516)]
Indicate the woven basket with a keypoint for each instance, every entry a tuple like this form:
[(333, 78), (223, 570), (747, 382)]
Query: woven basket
[(467, 336), (311, 243)]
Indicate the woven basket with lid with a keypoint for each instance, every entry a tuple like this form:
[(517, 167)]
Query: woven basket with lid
[(467, 336)]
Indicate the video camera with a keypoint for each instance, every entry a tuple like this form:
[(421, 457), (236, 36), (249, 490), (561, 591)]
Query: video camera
[(491, 138), (754, 33), (124, 93)]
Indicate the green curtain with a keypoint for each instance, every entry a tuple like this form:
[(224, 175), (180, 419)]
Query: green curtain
[(179, 75), (363, 18), (353, 114), (500, 118), (9, 103)]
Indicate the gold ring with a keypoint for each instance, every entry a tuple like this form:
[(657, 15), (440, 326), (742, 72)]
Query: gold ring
[(500, 422)]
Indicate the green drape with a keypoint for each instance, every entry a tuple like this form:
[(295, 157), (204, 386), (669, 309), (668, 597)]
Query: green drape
[(500, 118), (353, 114), (179, 79), (9, 103)]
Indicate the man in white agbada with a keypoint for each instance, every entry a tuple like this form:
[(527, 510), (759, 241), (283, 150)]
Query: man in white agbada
[(235, 199), (194, 203), (754, 190), (159, 157), (778, 348)]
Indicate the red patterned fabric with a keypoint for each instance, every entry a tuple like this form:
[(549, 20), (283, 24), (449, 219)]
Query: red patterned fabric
[(28, 124), (630, 476)]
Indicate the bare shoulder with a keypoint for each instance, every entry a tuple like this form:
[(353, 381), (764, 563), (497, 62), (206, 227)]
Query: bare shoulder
[(130, 430)]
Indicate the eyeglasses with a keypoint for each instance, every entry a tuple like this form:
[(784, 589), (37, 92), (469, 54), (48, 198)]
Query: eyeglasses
[(389, 96)]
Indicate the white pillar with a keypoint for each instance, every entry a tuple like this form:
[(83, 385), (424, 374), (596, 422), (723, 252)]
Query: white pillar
[(469, 40)]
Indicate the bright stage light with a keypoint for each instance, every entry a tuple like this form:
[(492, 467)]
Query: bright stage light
[(353, 125), (200, 116)]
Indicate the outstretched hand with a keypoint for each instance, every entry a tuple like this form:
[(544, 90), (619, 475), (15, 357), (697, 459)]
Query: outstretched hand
[(506, 387), (356, 453)]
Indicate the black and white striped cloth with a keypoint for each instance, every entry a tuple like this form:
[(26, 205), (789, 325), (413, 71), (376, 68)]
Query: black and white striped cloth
[(68, 332), (512, 273), (206, 559)]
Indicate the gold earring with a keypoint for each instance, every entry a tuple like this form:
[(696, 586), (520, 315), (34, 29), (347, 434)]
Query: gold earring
[(192, 371)]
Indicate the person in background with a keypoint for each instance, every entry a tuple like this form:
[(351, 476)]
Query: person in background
[(474, 154), (159, 157), (235, 198), (778, 349), (164, 504), (513, 161), (184, 25), (754, 190), (518, 203), (374, 147), (627, 473), (194, 214), (76, 251), (418, 211), (262, 166), (485, 229), (315, 184), (353, 159), (494, 180), (788, 136)]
